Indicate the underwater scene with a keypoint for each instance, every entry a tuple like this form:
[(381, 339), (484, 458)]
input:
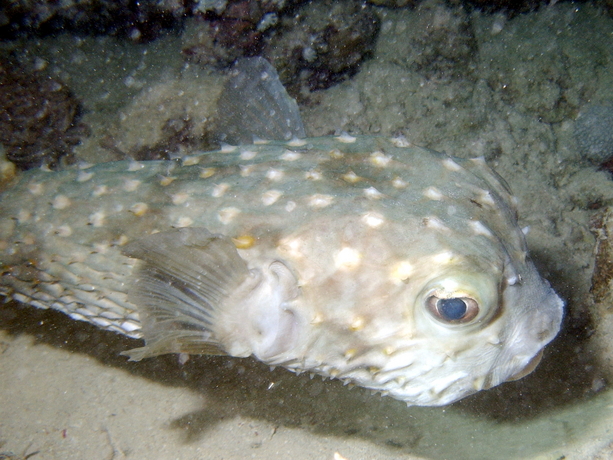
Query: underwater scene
[(335, 230)]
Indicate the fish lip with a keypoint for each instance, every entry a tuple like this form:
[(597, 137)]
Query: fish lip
[(528, 368)]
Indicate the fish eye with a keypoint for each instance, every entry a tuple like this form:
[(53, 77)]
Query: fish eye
[(453, 310)]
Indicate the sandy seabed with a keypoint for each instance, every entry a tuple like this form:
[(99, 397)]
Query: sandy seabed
[(66, 392)]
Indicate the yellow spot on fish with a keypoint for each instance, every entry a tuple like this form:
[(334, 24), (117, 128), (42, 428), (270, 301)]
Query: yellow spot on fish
[(226, 215), (336, 154), (350, 353), (139, 209), (205, 173), (351, 177), (379, 159), (244, 241), (60, 202), (347, 259), (357, 324), (121, 241), (320, 200)]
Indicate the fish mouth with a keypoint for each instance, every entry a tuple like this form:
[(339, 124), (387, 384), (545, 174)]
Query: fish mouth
[(528, 368)]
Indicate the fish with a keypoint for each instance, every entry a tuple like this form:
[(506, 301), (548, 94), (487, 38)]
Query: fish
[(362, 258)]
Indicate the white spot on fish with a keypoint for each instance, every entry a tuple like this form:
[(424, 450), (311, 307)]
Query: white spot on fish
[(274, 175), (320, 200), (135, 166), (295, 142), (313, 174), (100, 190), (480, 229), (402, 271), (373, 194), (190, 161), (400, 141), (96, 219), (288, 155), (346, 138), (131, 185), (84, 176), (435, 223), (451, 165), (64, 231), (290, 206), (433, 193), (226, 215), (347, 259), (270, 197), (248, 154), (179, 198), (220, 189), (35, 188), (184, 222), (373, 219), (60, 202), (399, 183)]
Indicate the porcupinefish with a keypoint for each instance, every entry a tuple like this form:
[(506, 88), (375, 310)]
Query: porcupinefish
[(386, 265)]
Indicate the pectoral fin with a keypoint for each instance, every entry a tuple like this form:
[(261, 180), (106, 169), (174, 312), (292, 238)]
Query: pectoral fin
[(180, 283)]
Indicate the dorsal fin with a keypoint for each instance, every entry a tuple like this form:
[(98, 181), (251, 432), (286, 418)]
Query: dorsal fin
[(254, 103)]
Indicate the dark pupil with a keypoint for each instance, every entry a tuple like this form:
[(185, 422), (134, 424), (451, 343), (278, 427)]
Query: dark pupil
[(451, 309)]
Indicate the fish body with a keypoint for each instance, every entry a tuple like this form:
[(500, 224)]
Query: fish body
[(390, 266)]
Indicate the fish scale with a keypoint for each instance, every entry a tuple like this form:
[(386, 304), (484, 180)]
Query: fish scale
[(336, 255)]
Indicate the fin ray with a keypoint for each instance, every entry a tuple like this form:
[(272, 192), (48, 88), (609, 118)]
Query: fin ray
[(183, 277)]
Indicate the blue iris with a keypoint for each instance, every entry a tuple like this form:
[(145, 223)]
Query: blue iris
[(452, 309)]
